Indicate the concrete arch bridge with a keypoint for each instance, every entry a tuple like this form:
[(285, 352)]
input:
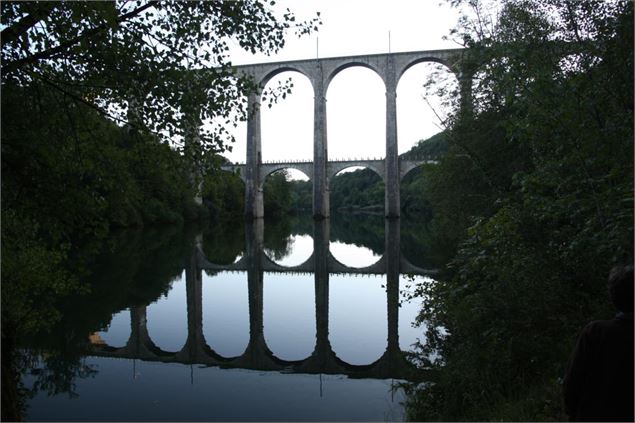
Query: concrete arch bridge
[(320, 72)]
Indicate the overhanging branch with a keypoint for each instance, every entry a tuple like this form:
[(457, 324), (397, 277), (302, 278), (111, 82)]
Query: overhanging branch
[(19, 63)]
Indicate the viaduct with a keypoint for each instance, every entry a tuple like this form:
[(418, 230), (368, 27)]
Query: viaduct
[(320, 72)]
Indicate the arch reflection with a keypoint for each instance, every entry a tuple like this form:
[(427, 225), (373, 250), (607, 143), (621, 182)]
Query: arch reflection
[(258, 354)]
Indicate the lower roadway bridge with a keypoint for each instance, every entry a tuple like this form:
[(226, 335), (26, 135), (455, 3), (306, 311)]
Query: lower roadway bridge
[(254, 180), (332, 167)]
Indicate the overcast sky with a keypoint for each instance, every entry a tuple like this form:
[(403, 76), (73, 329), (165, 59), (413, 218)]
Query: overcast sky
[(356, 96)]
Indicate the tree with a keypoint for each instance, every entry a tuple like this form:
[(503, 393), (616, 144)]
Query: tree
[(277, 194), (72, 74), (154, 60), (537, 189)]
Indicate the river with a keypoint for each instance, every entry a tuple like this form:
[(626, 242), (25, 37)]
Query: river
[(292, 320)]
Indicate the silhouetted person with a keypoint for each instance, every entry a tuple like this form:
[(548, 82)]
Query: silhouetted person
[(598, 385)]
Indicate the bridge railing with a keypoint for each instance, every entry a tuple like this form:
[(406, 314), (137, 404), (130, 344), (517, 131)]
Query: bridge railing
[(422, 158)]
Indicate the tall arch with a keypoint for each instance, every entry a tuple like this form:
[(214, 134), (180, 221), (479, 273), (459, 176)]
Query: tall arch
[(226, 311), (347, 64), (167, 317), (289, 326), (428, 87), (283, 138), (356, 118), (350, 335)]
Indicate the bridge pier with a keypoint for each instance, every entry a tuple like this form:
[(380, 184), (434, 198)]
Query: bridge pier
[(254, 206), (393, 255), (392, 206), (321, 207), (193, 349), (321, 237), (257, 352), (140, 343)]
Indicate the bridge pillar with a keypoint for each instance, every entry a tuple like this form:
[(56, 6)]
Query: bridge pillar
[(393, 255), (256, 352), (321, 237), (194, 297), (254, 206), (139, 343), (321, 207), (392, 207)]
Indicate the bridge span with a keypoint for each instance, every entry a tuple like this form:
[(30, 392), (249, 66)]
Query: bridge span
[(332, 167), (320, 72)]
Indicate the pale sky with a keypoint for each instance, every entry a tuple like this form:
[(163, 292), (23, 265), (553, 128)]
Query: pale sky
[(356, 96)]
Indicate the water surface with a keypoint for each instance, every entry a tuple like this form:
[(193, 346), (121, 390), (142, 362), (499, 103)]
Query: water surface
[(294, 320)]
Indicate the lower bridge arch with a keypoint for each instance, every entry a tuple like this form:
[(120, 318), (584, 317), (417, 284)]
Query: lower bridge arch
[(335, 167), (406, 166), (266, 169)]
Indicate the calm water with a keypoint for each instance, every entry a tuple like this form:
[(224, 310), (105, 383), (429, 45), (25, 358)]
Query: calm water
[(266, 321)]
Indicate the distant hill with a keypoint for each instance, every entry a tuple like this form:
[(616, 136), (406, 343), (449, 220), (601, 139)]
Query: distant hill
[(435, 146)]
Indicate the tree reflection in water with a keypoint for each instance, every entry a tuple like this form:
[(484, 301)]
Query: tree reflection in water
[(135, 268)]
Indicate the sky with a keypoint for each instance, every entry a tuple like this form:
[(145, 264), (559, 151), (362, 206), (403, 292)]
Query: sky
[(356, 96)]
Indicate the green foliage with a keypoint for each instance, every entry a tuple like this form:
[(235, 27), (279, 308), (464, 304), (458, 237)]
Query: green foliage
[(360, 188), (224, 241), (137, 55), (302, 195), (80, 174), (534, 202), (361, 229), (434, 147), (70, 174), (33, 276), (72, 72), (130, 268), (277, 194), (223, 193)]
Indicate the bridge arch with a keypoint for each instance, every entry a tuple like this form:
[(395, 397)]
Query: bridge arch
[(426, 59), (336, 168), (351, 64), (350, 342), (270, 168), (276, 132), (118, 331), (167, 318), (321, 73), (425, 90), (294, 252), (225, 314), (408, 166), (356, 115), (363, 187), (289, 327), (264, 79)]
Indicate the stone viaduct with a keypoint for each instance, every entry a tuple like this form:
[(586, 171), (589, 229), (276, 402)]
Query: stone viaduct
[(320, 72), (257, 355)]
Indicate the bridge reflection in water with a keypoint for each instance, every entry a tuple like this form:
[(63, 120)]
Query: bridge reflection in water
[(257, 355)]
